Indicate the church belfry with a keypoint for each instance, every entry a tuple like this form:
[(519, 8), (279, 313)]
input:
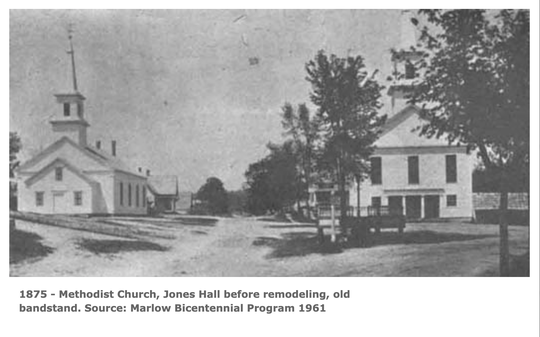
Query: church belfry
[(404, 74), (69, 119)]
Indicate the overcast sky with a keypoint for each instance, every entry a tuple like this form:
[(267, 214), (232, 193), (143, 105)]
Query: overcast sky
[(176, 88)]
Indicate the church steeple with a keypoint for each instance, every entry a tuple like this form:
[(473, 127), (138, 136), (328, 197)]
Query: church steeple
[(404, 75), (69, 120), (72, 53)]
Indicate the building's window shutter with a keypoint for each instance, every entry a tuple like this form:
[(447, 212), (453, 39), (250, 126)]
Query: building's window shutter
[(67, 108), (376, 170), (414, 170), (451, 168)]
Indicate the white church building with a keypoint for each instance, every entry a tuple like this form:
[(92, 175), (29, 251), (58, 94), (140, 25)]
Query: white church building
[(419, 177), (72, 177)]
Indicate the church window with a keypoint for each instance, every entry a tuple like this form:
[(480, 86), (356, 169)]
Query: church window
[(77, 198), (39, 198), (67, 108), (59, 174), (129, 195), (137, 196), (121, 194)]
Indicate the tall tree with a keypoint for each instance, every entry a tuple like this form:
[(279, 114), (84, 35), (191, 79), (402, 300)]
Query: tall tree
[(348, 101), (475, 90), (213, 194), (303, 128), (272, 182)]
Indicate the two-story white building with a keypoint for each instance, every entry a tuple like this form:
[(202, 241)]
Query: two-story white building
[(420, 177), (72, 177), (417, 176)]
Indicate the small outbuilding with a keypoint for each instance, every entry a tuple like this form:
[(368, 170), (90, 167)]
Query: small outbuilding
[(163, 193)]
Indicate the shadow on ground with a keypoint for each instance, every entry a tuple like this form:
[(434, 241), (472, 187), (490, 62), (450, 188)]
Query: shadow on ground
[(285, 226), (197, 221), (24, 245), (421, 237), (305, 243), (118, 246), (297, 244)]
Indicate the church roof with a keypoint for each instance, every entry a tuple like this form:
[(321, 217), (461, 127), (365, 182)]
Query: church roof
[(103, 158), (398, 118), (163, 185), (52, 165)]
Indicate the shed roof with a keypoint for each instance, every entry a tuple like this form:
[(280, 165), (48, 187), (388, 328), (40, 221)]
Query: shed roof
[(163, 185)]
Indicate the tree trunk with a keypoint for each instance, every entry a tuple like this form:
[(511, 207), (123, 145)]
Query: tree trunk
[(307, 171), (342, 201), (504, 253)]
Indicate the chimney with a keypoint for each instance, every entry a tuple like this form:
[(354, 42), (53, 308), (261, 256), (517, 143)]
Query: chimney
[(148, 173), (98, 144), (113, 148)]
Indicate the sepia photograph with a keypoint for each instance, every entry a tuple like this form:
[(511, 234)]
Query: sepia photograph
[(269, 143)]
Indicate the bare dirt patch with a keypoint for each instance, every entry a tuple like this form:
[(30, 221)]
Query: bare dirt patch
[(251, 247)]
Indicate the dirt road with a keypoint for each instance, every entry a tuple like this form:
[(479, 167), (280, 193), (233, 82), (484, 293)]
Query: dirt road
[(247, 247)]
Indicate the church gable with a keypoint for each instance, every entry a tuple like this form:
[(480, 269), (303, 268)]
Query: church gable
[(64, 148), (67, 171), (401, 131)]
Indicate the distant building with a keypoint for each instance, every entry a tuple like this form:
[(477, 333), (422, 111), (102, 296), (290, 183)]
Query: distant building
[(163, 192), (72, 177), (422, 178)]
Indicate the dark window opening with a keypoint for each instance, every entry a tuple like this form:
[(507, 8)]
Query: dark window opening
[(376, 170), (121, 194), (77, 198), (58, 173), (67, 108), (39, 198), (129, 195), (451, 168), (414, 171), (410, 71), (137, 196), (451, 200)]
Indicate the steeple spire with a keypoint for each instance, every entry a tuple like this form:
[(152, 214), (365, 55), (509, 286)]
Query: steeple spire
[(72, 53)]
